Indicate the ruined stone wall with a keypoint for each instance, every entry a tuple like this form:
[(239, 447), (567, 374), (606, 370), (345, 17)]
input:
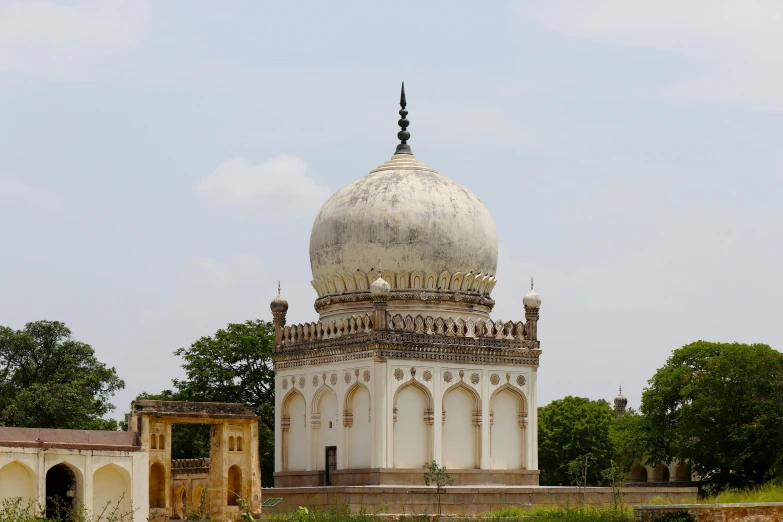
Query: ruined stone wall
[(766, 512)]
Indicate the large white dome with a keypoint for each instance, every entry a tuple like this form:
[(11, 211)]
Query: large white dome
[(415, 222)]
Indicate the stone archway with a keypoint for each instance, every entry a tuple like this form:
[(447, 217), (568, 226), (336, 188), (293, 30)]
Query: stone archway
[(61, 491)]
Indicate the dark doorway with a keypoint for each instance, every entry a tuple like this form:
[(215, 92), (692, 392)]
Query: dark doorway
[(331, 463), (60, 491)]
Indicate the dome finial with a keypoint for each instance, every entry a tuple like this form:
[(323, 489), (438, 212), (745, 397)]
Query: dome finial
[(403, 135), (531, 282), (278, 288)]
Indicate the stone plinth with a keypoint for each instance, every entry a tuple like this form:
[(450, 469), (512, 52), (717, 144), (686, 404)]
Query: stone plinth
[(466, 500), (405, 477)]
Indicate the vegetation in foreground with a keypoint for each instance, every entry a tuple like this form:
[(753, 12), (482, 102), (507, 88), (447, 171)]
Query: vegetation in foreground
[(765, 493), (17, 510), (564, 514)]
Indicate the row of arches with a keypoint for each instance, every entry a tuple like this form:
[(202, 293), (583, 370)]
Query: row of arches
[(357, 419), (660, 473), (413, 433), (64, 486)]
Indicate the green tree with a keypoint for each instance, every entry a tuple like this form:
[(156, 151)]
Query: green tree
[(235, 365), (49, 380), (630, 438), (569, 430), (718, 406), (439, 476)]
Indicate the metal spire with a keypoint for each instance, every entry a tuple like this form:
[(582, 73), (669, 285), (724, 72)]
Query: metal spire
[(278, 288), (403, 135), (531, 283)]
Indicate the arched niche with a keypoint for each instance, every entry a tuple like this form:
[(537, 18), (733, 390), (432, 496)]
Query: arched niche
[(17, 480), (412, 415), (357, 418), (508, 428), (461, 417), (111, 490), (293, 418), (157, 486), (324, 424), (638, 473), (661, 473)]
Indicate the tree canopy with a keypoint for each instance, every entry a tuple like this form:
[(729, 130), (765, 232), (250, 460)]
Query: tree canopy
[(49, 380), (718, 406), (569, 430)]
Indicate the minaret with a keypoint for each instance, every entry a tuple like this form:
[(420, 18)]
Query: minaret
[(532, 302), (620, 402), (380, 290), (279, 308)]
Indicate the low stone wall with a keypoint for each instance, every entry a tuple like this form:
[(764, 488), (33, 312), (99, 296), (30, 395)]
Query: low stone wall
[(465, 500), (404, 477), (766, 512)]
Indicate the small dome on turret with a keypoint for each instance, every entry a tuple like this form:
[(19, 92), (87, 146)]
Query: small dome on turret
[(380, 288), (532, 299), (279, 304)]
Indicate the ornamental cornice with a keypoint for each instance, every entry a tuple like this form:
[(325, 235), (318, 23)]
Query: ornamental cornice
[(411, 346), (415, 283), (436, 296)]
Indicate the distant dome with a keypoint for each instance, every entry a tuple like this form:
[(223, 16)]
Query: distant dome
[(412, 220)]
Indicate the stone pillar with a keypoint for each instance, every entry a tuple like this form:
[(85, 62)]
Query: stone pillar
[(254, 458), (531, 324), (218, 471), (380, 415), (379, 320)]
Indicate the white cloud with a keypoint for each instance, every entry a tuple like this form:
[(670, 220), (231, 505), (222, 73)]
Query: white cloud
[(735, 46), (65, 41), (14, 189), (280, 185)]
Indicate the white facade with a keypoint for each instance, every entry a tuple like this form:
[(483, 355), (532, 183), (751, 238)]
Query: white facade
[(403, 414), (100, 476)]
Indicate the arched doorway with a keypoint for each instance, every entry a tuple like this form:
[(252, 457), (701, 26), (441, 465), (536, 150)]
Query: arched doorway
[(157, 486), (234, 485), (638, 474), (682, 473), (60, 491)]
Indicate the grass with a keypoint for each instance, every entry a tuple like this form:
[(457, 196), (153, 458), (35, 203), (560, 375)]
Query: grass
[(563, 514), (765, 493)]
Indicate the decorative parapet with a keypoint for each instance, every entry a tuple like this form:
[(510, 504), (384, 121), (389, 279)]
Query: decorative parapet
[(466, 282), (185, 466), (448, 326), (423, 325), (297, 333)]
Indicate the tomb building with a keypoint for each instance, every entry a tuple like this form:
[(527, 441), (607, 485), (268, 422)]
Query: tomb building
[(405, 364)]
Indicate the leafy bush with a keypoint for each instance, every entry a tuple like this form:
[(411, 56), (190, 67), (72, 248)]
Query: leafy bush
[(765, 493)]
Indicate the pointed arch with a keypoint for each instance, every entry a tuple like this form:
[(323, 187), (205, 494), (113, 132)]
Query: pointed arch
[(18, 480), (112, 487), (316, 406), (293, 434), (412, 416), (357, 427), (463, 432), (508, 428)]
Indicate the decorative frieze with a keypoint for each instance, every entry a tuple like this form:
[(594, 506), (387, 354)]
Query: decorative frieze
[(359, 283)]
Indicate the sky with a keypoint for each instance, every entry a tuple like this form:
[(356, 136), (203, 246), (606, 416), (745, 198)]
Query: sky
[(161, 164)]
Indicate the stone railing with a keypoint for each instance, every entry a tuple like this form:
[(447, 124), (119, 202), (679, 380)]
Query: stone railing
[(189, 465), (459, 327), (424, 325), (356, 324)]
